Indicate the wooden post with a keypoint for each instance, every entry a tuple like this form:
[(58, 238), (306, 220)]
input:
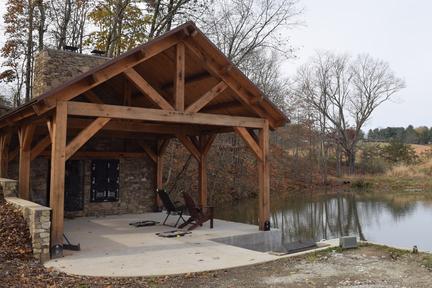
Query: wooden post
[(160, 150), (179, 80), (159, 179), (25, 135), (4, 154), (58, 156), (264, 178), (205, 144), (203, 195)]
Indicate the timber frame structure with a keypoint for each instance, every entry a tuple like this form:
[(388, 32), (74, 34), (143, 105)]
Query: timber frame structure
[(178, 85)]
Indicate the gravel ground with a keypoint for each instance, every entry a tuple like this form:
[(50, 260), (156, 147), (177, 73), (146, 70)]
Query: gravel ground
[(369, 266)]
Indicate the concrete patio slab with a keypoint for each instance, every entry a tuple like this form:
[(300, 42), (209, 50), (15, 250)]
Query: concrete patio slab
[(112, 247)]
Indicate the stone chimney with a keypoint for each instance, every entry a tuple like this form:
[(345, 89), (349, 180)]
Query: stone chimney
[(54, 67)]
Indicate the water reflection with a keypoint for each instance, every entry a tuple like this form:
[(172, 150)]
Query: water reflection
[(392, 219)]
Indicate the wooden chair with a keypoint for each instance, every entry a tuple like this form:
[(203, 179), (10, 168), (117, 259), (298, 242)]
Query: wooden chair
[(197, 215), (171, 207)]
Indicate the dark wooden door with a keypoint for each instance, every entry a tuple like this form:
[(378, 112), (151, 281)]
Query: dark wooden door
[(105, 181), (74, 185)]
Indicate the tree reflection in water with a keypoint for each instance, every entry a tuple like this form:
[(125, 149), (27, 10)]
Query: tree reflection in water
[(321, 217)]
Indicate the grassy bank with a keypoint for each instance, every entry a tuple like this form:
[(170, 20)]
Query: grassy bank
[(399, 178)]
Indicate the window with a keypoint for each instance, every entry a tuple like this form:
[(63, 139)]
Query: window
[(104, 180)]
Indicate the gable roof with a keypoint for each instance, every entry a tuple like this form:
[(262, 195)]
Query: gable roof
[(251, 100)]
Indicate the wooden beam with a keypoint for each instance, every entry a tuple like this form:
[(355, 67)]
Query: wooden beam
[(101, 154), (4, 154), (40, 147), (25, 136), (58, 161), (203, 181), (207, 145), (90, 95), (147, 89), (195, 140), (49, 126), (162, 146), (137, 113), (159, 173), (188, 80), (250, 141), (223, 72), (113, 70), (137, 127), (85, 135), (207, 97), (179, 78), (189, 145), (149, 151), (264, 178)]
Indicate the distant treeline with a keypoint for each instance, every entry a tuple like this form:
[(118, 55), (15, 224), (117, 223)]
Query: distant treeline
[(408, 135)]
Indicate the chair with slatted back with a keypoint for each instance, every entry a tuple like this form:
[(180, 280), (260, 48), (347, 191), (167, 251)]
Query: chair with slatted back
[(197, 214), (172, 208)]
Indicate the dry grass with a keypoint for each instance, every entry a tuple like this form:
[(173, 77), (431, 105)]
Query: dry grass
[(423, 169), (420, 149)]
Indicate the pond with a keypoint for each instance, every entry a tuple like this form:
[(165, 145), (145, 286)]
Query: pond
[(400, 218)]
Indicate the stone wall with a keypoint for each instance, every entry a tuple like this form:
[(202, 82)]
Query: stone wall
[(136, 187), (39, 177), (136, 190), (54, 67), (38, 219), (9, 187)]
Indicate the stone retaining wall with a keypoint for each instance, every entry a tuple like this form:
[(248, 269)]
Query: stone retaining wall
[(38, 219)]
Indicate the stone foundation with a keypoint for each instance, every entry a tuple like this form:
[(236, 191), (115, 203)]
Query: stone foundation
[(38, 219)]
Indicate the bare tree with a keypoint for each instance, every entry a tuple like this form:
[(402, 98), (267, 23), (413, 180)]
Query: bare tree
[(60, 14), (241, 27), (165, 13), (346, 93), (42, 23), (253, 35)]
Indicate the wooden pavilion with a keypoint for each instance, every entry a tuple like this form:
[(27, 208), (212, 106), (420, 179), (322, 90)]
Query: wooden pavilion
[(178, 85)]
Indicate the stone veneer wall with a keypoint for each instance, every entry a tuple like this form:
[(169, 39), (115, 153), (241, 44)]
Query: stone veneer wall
[(54, 67), (136, 190), (38, 219), (51, 69), (136, 187)]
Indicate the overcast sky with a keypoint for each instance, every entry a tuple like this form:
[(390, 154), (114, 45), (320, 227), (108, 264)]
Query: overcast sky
[(397, 31)]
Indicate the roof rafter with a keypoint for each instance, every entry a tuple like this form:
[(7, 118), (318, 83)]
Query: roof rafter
[(147, 89)]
